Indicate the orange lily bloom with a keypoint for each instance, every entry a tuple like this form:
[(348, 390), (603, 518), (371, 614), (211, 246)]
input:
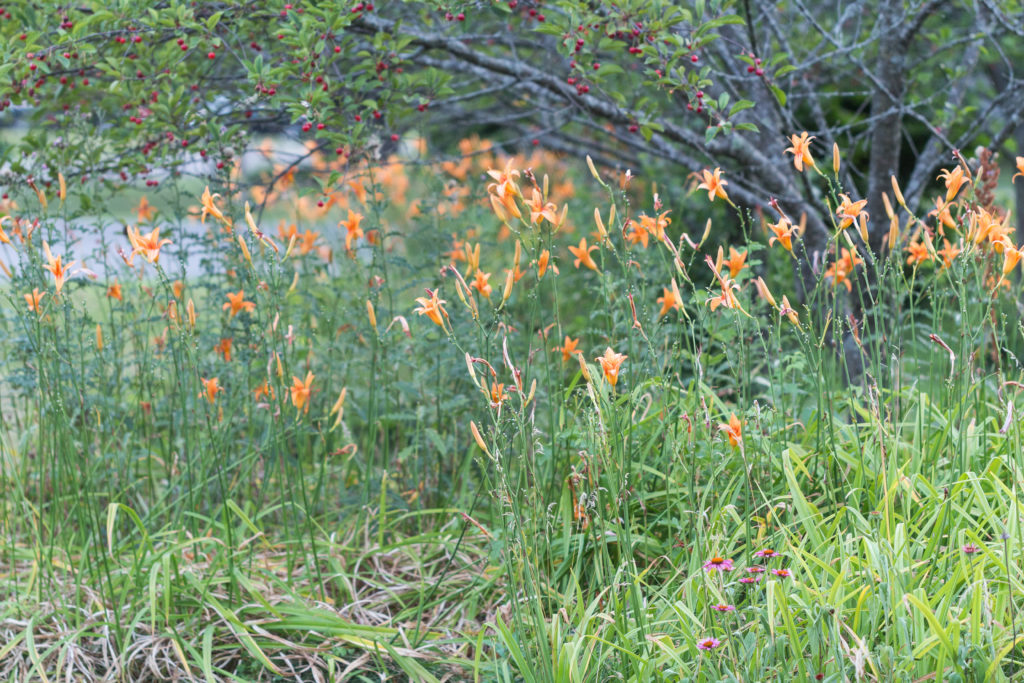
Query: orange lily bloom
[(539, 210), (1020, 169), (849, 211), (714, 184), (55, 265), (300, 390), (733, 429), (497, 394), (839, 270), (737, 262), (918, 251), (943, 217), (801, 150), (236, 303), (542, 264), (636, 233), (223, 347), (568, 348), (433, 308), (148, 245), (582, 254), (954, 181), (610, 365), (1011, 255), (353, 231), (178, 287), (783, 234), (114, 291), (211, 387), (480, 283), (145, 210), (210, 208), (668, 301), (33, 300), (948, 253)]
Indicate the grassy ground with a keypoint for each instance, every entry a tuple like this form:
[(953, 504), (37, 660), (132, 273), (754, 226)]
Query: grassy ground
[(474, 488)]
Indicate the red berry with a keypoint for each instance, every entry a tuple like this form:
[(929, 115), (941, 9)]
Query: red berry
[(320, 126), (211, 55), (337, 49), (460, 16), (358, 118), (693, 58), (394, 137)]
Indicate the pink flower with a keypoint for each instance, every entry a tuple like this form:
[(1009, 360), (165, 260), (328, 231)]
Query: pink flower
[(750, 579), (767, 553), (708, 643), (723, 608), (755, 569), (970, 549), (717, 564), (782, 573)]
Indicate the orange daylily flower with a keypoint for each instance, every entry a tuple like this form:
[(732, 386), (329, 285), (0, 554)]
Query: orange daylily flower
[(287, 231), (353, 231), (433, 308), (211, 387), (542, 264), (736, 262), (177, 287), (307, 240), (1020, 169), (568, 348), (263, 390), (636, 233), (57, 267), (1011, 256), (954, 181), (114, 291), (33, 300), (610, 365), (783, 234), (918, 251), (223, 347), (210, 208), (145, 210), (849, 211), (841, 269), (714, 184), (668, 301), (943, 217), (948, 253), (539, 210), (236, 303), (801, 150), (733, 429), (497, 394), (300, 390), (148, 245), (480, 283), (582, 254)]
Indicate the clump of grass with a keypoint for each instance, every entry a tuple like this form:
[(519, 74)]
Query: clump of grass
[(532, 427)]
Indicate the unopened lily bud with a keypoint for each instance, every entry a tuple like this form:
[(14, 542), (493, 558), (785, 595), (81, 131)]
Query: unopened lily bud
[(707, 231), (894, 232), (63, 192), (371, 315), (583, 367), (280, 368), (509, 279), (245, 249), (190, 309), (765, 293), (545, 186), (600, 224), (533, 390), (99, 337), (172, 311), (291, 245), (862, 224), (593, 170), (835, 157), (479, 439), (888, 205), (611, 216), (899, 195), (7, 271), (40, 195), (472, 372), (518, 255), (295, 282)]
